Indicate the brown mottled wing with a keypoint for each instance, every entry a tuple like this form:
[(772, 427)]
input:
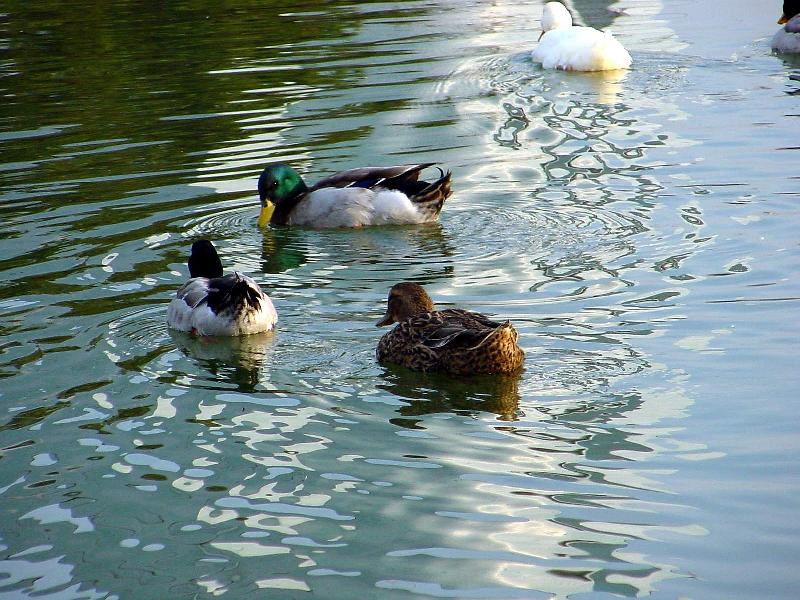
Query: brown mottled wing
[(455, 328), (403, 345), (457, 341), (370, 176)]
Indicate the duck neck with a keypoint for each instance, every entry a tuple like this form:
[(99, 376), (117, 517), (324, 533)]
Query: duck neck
[(284, 208)]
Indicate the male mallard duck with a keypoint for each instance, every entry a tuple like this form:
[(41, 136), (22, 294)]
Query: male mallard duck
[(571, 48), (453, 340), (787, 38), (210, 304), (354, 198)]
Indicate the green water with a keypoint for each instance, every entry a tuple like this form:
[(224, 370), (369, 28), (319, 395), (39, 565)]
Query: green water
[(639, 229)]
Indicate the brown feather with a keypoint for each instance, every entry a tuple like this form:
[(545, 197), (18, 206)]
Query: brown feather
[(453, 340)]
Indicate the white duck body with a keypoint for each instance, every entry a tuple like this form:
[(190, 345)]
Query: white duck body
[(570, 48), (787, 38), (213, 304), (356, 207), (240, 308)]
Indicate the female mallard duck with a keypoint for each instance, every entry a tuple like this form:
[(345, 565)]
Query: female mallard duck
[(571, 48), (354, 198), (210, 304), (787, 38), (453, 340)]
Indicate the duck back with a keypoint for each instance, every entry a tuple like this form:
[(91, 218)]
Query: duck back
[(228, 305), (580, 49), (454, 341)]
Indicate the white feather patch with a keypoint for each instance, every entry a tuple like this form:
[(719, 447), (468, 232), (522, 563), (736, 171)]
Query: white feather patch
[(354, 207), (391, 206), (188, 312), (580, 49)]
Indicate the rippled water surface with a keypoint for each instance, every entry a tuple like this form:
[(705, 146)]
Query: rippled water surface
[(639, 228)]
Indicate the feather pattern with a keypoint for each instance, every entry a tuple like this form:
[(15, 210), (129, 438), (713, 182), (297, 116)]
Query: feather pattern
[(371, 176), (453, 340), (226, 305), (356, 197)]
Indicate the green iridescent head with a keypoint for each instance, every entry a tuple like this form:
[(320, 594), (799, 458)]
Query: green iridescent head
[(278, 185)]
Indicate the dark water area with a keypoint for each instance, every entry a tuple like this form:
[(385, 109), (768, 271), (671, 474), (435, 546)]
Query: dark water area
[(639, 229)]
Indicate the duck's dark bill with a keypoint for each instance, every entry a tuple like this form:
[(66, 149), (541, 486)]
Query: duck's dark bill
[(387, 320)]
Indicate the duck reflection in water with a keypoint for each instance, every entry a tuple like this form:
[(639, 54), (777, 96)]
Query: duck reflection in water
[(282, 249), (239, 360), (429, 393), (287, 248)]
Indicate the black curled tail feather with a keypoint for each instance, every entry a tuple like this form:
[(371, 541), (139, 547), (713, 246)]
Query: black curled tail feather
[(430, 199), (408, 176)]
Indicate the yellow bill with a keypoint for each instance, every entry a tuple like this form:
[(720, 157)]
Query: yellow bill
[(783, 20), (266, 213)]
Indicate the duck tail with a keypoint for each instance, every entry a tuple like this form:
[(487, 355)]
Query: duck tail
[(243, 294), (499, 350), (492, 336), (430, 198)]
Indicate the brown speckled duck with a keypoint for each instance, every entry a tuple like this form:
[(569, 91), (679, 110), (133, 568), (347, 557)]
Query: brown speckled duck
[(454, 341)]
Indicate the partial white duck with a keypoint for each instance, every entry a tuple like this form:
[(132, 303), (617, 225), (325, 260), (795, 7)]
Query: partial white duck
[(572, 48), (787, 38), (354, 198), (213, 304)]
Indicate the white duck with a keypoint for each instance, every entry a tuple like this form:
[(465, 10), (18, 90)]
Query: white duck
[(787, 38), (210, 304), (571, 48), (354, 198)]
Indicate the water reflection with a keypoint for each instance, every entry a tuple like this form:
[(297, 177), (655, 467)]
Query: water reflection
[(245, 355), (584, 444), (282, 250), (543, 497), (428, 393)]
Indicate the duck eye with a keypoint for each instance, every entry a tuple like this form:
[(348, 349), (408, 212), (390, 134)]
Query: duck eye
[(274, 183)]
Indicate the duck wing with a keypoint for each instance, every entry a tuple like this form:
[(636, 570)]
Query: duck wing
[(456, 328), (370, 177), (220, 292), (194, 291), (427, 197)]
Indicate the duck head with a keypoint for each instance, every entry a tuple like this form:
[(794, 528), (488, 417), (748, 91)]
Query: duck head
[(204, 260), (554, 16), (790, 9), (406, 300), (278, 186)]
